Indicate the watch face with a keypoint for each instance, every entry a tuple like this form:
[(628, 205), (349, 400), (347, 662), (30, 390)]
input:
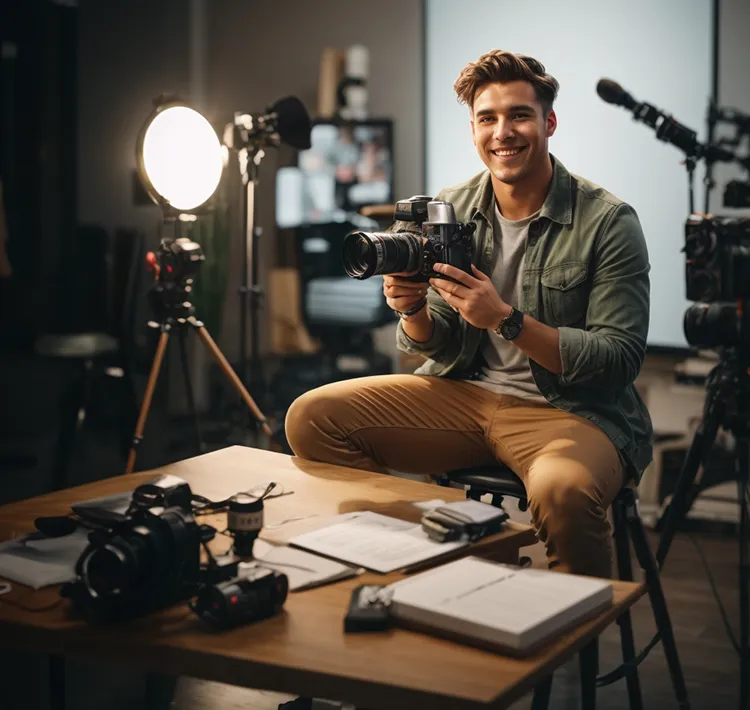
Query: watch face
[(510, 330), (512, 325)]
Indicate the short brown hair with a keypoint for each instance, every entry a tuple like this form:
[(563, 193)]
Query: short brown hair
[(500, 66)]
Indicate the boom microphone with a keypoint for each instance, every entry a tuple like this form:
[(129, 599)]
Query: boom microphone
[(667, 128)]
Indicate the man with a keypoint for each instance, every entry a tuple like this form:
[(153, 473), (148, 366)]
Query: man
[(533, 356)]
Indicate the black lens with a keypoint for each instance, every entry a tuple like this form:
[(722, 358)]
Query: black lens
[(107, 570), (369, 254), (711, 325)]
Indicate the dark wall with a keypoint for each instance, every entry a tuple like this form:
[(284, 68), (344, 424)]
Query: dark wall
[(130, 52), (38, 160)]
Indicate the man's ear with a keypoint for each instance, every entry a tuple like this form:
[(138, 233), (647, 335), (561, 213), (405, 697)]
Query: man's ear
[(551, 123), (473, 135)]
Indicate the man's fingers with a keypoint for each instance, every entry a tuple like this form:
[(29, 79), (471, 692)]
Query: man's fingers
[(450, 298), (456, 274), (444, 286)]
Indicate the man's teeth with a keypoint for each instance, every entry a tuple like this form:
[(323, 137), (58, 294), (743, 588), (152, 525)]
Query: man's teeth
[(510, 151)]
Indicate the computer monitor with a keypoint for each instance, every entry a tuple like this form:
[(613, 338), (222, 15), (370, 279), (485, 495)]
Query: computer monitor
[(349, 165)]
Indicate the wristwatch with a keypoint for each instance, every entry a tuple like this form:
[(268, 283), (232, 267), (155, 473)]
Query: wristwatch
[(511, 326)]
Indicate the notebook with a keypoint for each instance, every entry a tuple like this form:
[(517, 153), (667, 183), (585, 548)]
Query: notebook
[(497, 606)]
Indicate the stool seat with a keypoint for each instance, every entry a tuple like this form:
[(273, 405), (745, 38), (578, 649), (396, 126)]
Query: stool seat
[(491, 479)]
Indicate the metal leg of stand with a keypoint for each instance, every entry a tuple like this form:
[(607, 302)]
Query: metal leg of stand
[(161, 348), (231, 375), (589, 663), (743, 464), (542, 694), (189, 390), (658, 603), (625, 573), (56, 683)]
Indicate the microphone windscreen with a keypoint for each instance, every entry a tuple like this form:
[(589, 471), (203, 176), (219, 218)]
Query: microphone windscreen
[(610, 91), (293, 123)]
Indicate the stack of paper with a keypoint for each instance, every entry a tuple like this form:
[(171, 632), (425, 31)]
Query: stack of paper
[(303, 569), (500, 606), (375, 542)]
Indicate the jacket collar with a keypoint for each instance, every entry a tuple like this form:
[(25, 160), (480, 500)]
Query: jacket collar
[(557, 207)]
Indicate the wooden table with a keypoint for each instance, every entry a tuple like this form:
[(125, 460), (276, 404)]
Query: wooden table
[(303, 650)]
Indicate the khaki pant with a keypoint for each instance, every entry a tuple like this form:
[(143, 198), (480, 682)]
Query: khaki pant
[(430, 425)]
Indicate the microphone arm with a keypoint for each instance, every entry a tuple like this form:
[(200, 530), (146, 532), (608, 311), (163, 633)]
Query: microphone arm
[(666, 127)]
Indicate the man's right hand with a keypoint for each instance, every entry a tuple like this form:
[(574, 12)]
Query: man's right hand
[(402, 295)]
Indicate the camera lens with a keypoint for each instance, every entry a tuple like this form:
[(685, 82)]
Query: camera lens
[(109, 570), (710, 325), (245, 520), (369, 254)]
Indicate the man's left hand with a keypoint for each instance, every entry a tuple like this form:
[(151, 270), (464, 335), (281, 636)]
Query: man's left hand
[(474, 297)]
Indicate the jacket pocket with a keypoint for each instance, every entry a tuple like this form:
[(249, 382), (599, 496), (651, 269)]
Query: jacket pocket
[(565, 293)]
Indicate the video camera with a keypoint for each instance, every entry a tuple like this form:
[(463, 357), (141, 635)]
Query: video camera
[(717, 275), (150, 558), (442, 240)]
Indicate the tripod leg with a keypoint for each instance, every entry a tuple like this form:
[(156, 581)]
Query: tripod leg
[(682, 498), (742, 462), (656, 594), (146, 404), (226, 368), (625, 572), (189, 389)]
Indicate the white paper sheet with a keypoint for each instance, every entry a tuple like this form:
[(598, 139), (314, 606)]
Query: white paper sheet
[(41, 563), (375, 542)]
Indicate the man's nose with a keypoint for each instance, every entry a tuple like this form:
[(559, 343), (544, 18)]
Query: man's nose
[(503, 130)]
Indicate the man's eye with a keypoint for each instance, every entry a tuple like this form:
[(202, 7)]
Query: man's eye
[(520, 115)]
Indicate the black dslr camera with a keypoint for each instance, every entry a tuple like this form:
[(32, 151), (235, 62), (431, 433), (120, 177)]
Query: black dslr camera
[(717, 275), (150, 558), (442, 240)]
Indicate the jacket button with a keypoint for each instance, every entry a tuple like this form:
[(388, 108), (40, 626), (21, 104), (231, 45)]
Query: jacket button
[(526, 287)]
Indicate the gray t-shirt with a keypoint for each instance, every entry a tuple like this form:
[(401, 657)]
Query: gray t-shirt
[(506, 369)]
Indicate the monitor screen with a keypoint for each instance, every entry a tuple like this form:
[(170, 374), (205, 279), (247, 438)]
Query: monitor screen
[(348, 166)]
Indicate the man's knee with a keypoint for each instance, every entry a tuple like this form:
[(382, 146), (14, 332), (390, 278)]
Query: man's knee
[(305, 421), (563, 499)]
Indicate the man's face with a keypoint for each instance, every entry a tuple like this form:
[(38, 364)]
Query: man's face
[(510, 130)]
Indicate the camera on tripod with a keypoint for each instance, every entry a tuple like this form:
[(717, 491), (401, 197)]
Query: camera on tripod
[(150, 558), (175, 263), (442, 240), (717, 276)]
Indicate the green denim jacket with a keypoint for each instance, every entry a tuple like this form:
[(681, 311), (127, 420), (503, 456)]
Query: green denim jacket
[(586, 273)]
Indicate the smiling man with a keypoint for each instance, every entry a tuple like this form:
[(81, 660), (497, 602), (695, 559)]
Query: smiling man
[(531, 358)]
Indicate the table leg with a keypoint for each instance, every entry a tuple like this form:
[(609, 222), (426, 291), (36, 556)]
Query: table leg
[(542, 694), (56, 683), (589, 659)]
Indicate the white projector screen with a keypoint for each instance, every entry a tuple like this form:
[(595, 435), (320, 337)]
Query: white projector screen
[(661, 52)]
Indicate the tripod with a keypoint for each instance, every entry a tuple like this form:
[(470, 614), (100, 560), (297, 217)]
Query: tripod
[(176, 311), (727, 405)]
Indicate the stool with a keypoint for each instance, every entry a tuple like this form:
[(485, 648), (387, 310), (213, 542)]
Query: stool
[(499, 481)]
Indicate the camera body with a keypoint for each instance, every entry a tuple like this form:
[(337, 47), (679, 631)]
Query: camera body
[(717, 277), (147, 561), (717, 258), (442, 239), (176, 263)]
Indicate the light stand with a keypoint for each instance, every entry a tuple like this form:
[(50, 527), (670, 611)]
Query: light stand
[(286, 121), (250, 291)]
